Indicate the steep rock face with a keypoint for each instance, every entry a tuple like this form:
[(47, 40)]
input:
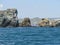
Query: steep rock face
[(25, 22), (8, 18), (14, 22), (3, 18)]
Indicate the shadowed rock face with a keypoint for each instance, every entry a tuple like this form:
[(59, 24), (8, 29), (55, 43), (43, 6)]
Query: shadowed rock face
[(14, 22), (25, 22), (58, 23)]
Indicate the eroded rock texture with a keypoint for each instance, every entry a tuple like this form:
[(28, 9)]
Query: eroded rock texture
[(25, 22)]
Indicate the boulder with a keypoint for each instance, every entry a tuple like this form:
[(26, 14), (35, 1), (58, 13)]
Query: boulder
[(25, 22), (44, 22), (58, 23)]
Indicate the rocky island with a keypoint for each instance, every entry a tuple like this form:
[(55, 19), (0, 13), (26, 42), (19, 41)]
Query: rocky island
[(9, 18)]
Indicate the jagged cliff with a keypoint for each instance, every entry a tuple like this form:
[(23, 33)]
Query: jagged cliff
[(8, 18)]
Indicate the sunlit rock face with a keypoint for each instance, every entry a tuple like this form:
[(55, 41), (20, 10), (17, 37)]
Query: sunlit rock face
[(10, 13), (25, 22), (2, 18), (8, 17), (51, 23), (44, 22)]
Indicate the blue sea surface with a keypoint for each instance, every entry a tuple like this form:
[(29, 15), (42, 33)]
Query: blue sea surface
[(30, 36)]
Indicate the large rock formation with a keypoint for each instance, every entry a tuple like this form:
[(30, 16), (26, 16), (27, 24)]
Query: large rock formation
[(8, 18), (26, 22)]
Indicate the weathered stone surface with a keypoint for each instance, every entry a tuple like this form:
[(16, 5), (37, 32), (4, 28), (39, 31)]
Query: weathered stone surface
[(58, 23), (44, 22), (8, 17), (52, 23), (25, 22), (14, 22)]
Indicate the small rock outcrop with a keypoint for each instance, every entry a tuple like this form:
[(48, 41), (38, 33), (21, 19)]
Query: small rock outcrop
[(52, 23), (58, 23), (26, 22), (44, 22)]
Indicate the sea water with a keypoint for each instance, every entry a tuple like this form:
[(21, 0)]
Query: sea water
[(30, 36)]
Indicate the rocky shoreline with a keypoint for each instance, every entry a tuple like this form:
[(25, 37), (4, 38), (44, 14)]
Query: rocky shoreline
[(8, 18)]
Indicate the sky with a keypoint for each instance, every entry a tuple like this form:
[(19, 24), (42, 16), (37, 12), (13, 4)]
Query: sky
[(33, 8)]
